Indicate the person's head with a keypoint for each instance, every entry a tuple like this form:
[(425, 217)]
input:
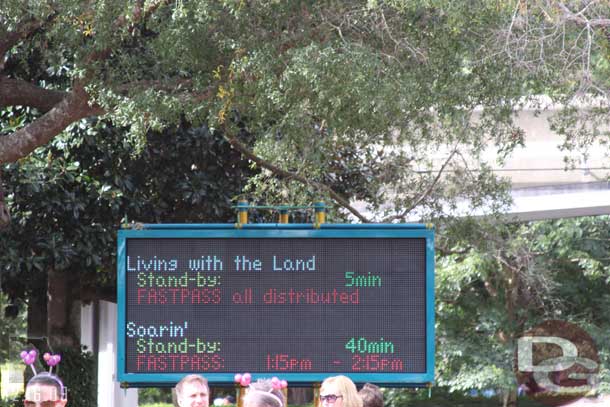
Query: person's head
[(339, 391), (257, 398), (262, 394), (45, 390), (371, 395), (193, 391)]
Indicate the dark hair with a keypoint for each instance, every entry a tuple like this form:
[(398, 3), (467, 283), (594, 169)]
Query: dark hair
[(49, 379), (371, 395)]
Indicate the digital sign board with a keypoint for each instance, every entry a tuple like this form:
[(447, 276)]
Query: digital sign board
[(292, 301)]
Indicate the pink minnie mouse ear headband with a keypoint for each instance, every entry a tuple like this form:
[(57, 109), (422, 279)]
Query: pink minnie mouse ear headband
[(29, 358), (278, 384), (52, 360), (246, 378)]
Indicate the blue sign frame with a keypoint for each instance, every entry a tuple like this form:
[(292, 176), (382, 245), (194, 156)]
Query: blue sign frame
[(280, 231)]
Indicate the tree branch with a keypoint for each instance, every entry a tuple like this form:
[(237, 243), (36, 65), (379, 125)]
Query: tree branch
[(61, 108), (140, 13), (289, 175), (73, 107), (11, 38), (15, 92), (579, 19), (26, 29), (425, 194)]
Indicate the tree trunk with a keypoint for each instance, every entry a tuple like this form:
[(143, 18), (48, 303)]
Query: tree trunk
[(63, 311), (37, 318), (37, 323)]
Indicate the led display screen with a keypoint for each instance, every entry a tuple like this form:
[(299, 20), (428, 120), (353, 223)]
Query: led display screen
[(300, 303)]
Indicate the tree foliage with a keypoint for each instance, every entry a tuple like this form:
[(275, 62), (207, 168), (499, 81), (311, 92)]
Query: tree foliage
[(358, 101), (383, 90), (515, 278), (12, 327), (69, 198)]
